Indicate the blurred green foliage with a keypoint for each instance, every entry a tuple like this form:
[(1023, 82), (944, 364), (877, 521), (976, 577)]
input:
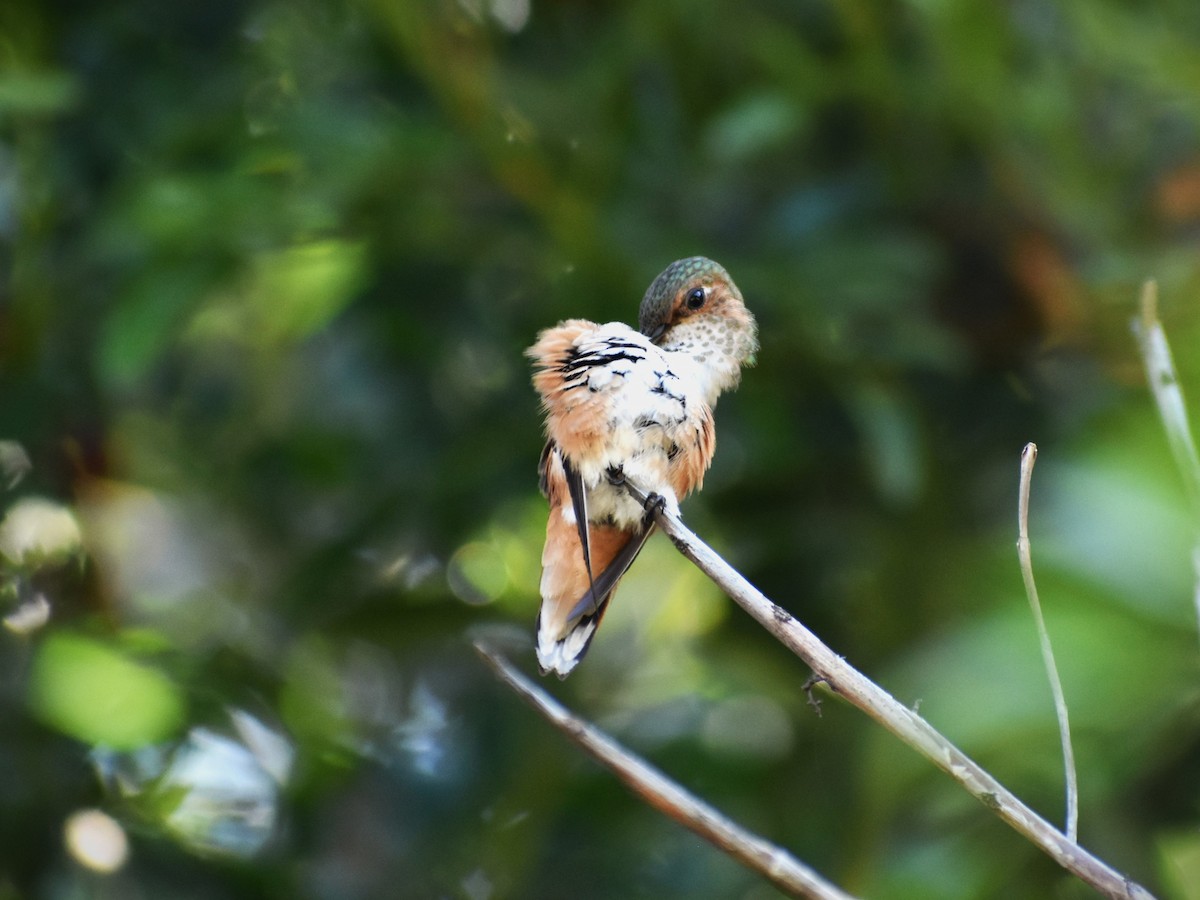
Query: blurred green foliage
[(268, 269)]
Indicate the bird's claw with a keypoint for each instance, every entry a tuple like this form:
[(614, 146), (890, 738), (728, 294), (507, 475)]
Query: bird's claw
[(653, 503)]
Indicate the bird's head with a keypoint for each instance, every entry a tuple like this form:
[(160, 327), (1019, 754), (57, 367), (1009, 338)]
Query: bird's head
[(694, 305)]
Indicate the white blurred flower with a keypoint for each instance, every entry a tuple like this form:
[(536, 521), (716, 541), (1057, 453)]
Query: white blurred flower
[(35, 529), (14, 463), (223, 791), (29, 616)]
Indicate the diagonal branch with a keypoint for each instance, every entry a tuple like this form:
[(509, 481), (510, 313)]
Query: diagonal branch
[(894, 716), (666, 796)]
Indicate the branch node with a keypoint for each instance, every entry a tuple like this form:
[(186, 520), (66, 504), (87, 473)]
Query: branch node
[(809, 684)]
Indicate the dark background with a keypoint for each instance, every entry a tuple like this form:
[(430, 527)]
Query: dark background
[(268, 270)]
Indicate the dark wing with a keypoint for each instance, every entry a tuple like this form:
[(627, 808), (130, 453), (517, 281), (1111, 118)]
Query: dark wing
[(597, 596), (578, 498)]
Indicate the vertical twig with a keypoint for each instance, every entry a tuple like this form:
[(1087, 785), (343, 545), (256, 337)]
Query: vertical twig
[(1028, 458), (1168, 395), (666, 796)]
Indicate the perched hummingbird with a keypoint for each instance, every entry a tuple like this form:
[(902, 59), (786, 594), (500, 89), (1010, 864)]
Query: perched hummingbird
[(627, 406)]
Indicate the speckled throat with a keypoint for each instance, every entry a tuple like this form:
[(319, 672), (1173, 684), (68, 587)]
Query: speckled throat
[(718, 348)]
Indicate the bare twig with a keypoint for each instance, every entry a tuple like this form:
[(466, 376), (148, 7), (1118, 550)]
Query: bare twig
[(1028, 458), (903, 722), (1160, 374), (668, 797)]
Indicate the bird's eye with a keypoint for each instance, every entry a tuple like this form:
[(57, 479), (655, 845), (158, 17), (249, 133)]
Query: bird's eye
[(695, 298)]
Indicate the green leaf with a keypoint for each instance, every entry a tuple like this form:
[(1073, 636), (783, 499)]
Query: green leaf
[(37, 93), (96, 694), (299, 290)]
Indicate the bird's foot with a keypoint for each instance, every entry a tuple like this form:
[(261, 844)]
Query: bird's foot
[(654, 504)]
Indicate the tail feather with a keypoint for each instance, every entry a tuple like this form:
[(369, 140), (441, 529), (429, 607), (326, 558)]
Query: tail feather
[(582, 563), (570, 613), (563, 654)]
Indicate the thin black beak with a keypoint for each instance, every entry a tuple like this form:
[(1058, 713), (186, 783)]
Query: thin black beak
[(654, 332)]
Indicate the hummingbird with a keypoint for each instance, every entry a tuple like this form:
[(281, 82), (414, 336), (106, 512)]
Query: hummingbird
[(627, 407)]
